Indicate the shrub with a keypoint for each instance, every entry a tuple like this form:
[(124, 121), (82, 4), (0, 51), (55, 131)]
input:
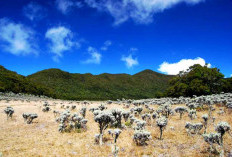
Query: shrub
[(212, 138), (116, 134), (165, 110), (192, 114), (29, 117), (71, 122), (154, 115), (161, 123), (193, 128), (205, 121), (83, 111), (141, 137), (222, 128), (138, 109), (9, 112), (46, 107), (140, 124), (117, 113), (181, 110), (125, 115), (104, 119), (102, 107)]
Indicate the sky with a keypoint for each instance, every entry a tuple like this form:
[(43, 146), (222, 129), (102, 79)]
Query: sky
[(115, 36)]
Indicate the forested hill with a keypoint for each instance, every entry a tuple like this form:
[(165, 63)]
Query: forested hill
[(146, 84), (12, 82)]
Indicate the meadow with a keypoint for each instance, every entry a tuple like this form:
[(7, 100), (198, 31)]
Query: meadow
[(42, 138)]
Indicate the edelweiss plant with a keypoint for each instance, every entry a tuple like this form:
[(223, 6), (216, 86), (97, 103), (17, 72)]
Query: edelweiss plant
[(69, 122), (181, 110), (192, 114), (222, 128), (29, 117), (117, 113), (126, 115), (165, 110), (140, 124), (9, 111), (205, 121), (193, 128), (212, 138), (115, 133), (46, 107), (161, 123), (141, 137), (104, 119), (83, 111)]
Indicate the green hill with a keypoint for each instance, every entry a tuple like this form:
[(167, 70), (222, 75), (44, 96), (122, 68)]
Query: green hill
[(146, 84), (11, 81)]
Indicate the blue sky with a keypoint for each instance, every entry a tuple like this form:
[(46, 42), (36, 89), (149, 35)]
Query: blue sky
[(115, 36)]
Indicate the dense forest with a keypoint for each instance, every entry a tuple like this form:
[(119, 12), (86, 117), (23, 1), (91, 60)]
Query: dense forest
[(12, 82), (197, 80), (146, 84)]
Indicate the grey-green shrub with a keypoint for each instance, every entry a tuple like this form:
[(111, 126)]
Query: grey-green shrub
[(181, 110), (141, 137), (9, 111), (192, 114), (161, 123), (104, 119), (29, 117), (205, 118)]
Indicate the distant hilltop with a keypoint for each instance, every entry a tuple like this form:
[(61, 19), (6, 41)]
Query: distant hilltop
[(63, 85)]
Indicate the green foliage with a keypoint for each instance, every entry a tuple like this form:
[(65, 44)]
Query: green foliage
[(199, 80), (146, 84), (11, 81), (128, 124)]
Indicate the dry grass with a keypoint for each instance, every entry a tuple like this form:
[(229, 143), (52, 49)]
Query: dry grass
[(42, 138)]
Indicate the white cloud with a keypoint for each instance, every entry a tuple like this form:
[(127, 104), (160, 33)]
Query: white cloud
[(130, 61), (182, 65), (34, 11), (106, 45), (95, 56), (16, 38), (61, 40), (140, 11), (66, 5)]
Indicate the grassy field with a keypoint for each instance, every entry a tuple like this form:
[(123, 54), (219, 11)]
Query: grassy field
[(41, 138)]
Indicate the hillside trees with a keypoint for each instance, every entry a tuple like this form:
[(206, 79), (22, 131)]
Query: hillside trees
[(198, 80)]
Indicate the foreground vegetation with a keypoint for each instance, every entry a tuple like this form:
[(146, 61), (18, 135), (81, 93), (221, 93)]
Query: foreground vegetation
[(37, 126)]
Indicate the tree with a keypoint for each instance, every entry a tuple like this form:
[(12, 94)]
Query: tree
[(197, 80)]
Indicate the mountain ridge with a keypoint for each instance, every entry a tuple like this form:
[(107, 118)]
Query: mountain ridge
[(144, 84), (57, 69), (76, 86)]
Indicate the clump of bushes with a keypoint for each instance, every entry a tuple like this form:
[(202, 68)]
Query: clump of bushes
[(71, 122), (193, 128), (141, 137)]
